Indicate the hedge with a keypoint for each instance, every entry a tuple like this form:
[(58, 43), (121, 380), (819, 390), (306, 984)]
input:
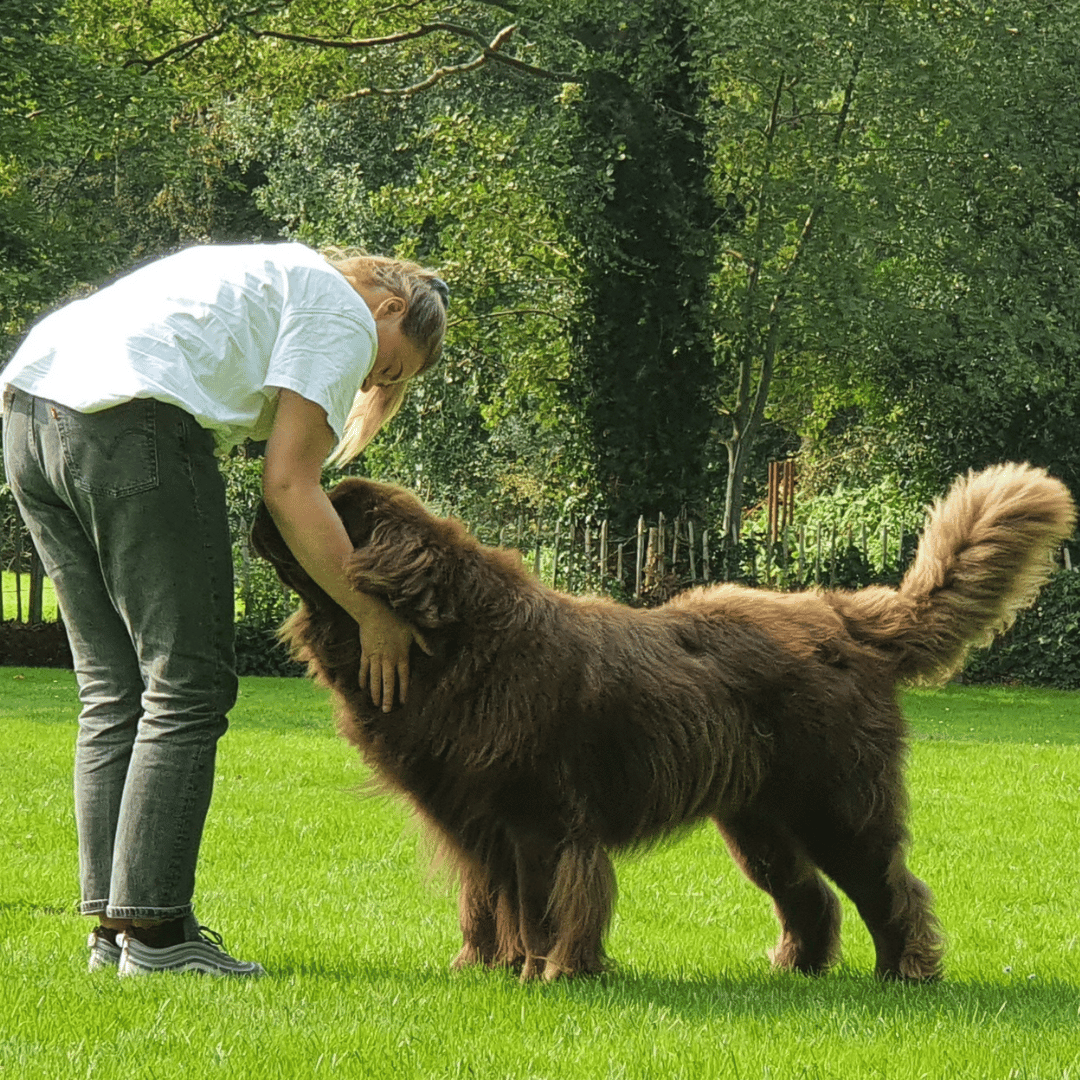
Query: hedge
[(1043, 647)]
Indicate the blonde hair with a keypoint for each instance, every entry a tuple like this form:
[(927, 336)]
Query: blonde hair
[(424, 323)]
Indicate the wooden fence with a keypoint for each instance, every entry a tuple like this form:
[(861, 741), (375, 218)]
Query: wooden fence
[(653, 562), (17, 554), (658, 559)]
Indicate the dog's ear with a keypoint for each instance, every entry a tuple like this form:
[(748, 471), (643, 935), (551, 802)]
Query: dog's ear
[(403, 554), (270, 545)]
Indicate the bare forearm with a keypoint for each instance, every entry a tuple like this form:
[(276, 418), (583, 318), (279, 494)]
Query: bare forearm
[(315, 535)]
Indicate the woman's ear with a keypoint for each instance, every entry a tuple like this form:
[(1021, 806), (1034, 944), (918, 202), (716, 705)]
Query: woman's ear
[(389, 307)]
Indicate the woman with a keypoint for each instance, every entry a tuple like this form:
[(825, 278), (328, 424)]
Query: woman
[(115, 407)]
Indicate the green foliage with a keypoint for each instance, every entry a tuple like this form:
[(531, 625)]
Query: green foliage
[(263, 603), (682, 238), (900, 252), (853, 511), (642, 217), (1043, 646)]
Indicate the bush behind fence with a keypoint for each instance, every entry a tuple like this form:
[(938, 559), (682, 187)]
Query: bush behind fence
[(643, 568)]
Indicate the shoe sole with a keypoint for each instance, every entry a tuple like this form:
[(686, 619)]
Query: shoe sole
[(103, 957), (194, 956)]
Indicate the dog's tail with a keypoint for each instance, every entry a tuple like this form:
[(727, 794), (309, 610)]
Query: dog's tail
[(987, 549)]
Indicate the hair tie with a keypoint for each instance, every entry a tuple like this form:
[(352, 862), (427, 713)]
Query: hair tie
[(442, 289)]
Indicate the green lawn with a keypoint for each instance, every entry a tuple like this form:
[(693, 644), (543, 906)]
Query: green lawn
[(329, 892)]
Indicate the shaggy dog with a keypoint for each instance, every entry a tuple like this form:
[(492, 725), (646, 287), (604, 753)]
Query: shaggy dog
[(546, 730)]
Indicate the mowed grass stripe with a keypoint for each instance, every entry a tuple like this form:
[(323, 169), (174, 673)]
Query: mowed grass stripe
[(330, 891)]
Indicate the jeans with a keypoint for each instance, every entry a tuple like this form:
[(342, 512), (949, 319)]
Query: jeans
[(127, 510)]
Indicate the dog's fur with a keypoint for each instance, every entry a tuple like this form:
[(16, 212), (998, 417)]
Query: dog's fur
[(547, 729)]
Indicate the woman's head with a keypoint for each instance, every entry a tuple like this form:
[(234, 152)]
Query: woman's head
[(424, 294), (414, 301)]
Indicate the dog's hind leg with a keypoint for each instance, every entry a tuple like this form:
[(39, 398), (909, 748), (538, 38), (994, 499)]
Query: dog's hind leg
[(896, 906), (808, 910)]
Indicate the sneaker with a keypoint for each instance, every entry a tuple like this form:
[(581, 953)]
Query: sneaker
[(201, 952), (103, 953)]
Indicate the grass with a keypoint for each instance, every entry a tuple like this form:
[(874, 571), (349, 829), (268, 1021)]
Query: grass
[(330, 894)]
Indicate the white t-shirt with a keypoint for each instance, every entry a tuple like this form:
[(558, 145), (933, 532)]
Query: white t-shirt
[(215, 330)]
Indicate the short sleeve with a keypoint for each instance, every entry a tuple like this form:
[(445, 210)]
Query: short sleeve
[(323, 356)]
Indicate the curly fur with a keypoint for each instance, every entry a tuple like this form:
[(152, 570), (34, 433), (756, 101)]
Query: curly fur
[(547, 730)]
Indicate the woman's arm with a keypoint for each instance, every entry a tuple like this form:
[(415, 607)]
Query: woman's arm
[(292, 490)]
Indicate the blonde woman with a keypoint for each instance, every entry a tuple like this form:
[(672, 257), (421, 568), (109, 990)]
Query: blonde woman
[(115, 409)]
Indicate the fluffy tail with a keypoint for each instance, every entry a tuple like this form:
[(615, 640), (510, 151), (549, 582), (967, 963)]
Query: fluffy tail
[(987, 549)]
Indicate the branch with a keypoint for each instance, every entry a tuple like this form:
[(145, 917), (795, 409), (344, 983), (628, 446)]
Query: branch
[(489, 51), (188, 46), (192, 43), (505, 314), (367, 43)]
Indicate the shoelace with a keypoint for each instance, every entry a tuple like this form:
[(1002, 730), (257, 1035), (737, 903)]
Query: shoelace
[(212, 937)]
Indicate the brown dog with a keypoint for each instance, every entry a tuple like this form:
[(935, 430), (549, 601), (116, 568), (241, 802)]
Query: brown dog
[(547, 729)]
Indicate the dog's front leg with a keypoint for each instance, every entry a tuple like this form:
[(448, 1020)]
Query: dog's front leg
[(476, 915), (579, 910), (536, 861)]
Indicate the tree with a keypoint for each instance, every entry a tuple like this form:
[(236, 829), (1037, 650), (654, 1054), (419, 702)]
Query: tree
[(100, 167), (680, 236), (885, 185)]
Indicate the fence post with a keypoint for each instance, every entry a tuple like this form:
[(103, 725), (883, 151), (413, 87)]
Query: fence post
[(536, 554), (640, 555), (245, 568), (555, 562), (690, 548), (659, 547), (588, 575), (18, 575), (604, 552)]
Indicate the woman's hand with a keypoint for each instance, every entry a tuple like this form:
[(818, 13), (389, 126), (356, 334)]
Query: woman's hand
[(385, 642)]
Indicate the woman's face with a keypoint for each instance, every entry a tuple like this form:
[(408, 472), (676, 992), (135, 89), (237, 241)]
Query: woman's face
[(398, 358)]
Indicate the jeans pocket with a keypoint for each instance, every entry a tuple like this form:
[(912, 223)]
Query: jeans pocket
[(112, 452)]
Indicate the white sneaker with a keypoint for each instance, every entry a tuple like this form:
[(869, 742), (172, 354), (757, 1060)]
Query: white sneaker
[(103, 953), (201, 952)]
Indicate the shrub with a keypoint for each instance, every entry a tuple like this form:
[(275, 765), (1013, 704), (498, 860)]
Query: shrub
[(1043, 647), (258, 651)]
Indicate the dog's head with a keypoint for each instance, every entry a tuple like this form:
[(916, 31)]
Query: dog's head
[(427, 568)]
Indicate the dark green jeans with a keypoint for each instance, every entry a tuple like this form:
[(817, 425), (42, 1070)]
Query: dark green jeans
[(127, 510)]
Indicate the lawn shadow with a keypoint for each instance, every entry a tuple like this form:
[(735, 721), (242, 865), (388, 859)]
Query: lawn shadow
[(703, 997)]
